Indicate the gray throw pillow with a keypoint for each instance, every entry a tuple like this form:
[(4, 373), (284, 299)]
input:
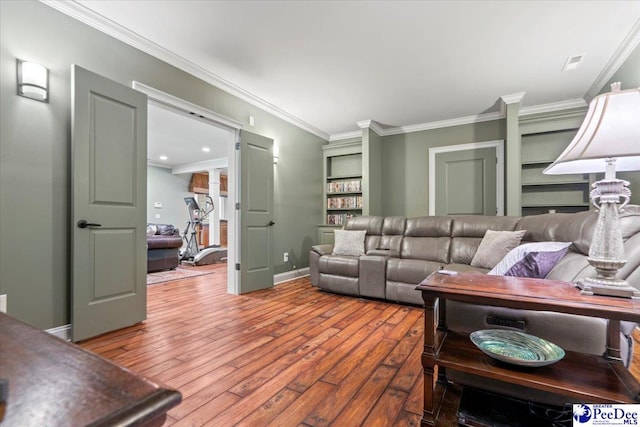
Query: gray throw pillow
[(494, 246), (349, 242)]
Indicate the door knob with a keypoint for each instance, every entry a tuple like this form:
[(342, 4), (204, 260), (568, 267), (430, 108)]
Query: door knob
[(84, 224), (271, 223)]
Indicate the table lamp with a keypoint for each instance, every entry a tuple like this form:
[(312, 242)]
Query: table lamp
[(608, 140)]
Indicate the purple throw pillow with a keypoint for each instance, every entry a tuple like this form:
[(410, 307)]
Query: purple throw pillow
[(536, 264)]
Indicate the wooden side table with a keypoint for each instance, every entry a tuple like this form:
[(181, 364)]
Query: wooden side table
[(583, 377), (53, 383)]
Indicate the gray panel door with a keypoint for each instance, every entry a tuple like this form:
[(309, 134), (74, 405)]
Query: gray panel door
[(109, 190), (256, 212), (466, 182)]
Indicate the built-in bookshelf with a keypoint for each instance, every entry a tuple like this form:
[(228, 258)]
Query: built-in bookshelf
[(344, 199), (342, 181), (550, 193)]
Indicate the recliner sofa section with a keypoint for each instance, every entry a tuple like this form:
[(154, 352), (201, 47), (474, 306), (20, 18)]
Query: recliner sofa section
[(400, 253)]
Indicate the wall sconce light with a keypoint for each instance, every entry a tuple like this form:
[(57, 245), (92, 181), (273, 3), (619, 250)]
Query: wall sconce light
[(276, 155), (33, 81)]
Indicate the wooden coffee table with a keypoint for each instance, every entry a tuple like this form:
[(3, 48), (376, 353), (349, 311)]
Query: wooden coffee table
[(582, 377)]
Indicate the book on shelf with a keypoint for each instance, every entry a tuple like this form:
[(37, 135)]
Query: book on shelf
[(354, 202), (352, 186), (338, 219)]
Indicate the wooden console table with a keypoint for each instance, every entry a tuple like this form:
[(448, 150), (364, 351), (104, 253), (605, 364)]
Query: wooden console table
[(53, 383), (585, 378)]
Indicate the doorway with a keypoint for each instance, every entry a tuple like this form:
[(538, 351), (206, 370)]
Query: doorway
[(467, 179), (225, 133)]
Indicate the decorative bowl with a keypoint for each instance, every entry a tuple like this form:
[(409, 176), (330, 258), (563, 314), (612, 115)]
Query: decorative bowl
[(516, 348)]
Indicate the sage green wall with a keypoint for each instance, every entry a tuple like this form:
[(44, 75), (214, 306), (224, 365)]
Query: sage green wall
[(35, 151), (405, 163), (170, 190), (629, 75)]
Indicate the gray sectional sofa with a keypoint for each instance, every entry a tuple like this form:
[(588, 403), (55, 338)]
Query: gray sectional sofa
[(401, 252)]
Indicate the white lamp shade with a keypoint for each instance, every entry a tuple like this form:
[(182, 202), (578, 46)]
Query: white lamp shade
[(611, 130), (33, 80)]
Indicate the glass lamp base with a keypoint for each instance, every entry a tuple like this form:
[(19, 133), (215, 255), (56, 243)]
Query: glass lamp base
[(608, 287)]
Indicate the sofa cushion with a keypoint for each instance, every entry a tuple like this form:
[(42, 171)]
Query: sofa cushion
[(392, 234), (467, 232), (494, 246), (339, 265), (428, 226), (531, 259), (411, 271), (349, 242), (434, 249), (477, 226), (463, 249), (372, 225)]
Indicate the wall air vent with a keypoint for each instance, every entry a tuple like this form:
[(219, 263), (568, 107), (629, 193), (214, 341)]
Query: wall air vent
[(573, 62)]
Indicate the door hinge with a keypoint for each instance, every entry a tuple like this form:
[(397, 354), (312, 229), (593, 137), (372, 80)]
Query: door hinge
[(237, 146), (237, 206), (238, 266)]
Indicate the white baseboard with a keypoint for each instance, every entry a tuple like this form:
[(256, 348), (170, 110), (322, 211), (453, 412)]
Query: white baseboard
[(63, 332), (290, 275)]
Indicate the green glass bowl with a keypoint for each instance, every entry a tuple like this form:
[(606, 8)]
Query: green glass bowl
[(516, 348)]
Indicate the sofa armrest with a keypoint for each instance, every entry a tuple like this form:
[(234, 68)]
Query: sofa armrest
[(373, 278), (322, 249)]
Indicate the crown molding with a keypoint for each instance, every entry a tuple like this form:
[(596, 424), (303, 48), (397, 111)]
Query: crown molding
[(556, 106), (507, 99), (417, 127), (83, 14), (345, 135), (371, 124), (513, 98), (444, 123), (619, 57)]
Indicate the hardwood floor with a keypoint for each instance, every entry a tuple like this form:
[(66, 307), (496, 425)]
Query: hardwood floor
[(287, 356), (635, 363)]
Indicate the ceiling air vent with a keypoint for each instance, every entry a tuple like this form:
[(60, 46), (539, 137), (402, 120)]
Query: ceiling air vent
[(573, 62)]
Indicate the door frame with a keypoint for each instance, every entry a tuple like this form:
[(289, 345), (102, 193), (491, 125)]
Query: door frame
[(233, 126), (497, 144)]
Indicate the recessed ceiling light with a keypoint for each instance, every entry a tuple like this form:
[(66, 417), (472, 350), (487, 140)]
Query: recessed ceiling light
[(206, 149), (573, 62), (164, 158)]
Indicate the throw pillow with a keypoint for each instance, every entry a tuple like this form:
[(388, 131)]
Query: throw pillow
[(494, 246), (151, 229), (349, 242), (531, 259)]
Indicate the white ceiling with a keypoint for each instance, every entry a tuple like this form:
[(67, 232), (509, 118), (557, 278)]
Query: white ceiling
[(326, 65), (181, 138)]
